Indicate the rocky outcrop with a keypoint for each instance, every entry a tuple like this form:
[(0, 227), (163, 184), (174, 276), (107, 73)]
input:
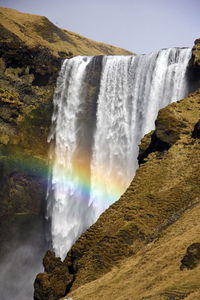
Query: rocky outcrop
[(194, 70), (171, 123), (55, 281), (196, 131), (196, 53), (192, 257), (158, 196)]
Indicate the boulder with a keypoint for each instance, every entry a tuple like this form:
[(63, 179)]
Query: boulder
[(192, 257), (54, 282), (196, 131)]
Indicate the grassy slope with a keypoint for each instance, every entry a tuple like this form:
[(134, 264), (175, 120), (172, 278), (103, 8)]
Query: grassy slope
[(163, 202), (36, 30), (154, 272)]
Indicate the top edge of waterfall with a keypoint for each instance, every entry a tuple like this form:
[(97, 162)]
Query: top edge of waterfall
[(156, 51)]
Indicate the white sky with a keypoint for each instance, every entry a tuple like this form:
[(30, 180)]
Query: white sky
[(140, 26)]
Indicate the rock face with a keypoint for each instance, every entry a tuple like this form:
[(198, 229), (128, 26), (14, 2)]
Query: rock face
[(164, 189)]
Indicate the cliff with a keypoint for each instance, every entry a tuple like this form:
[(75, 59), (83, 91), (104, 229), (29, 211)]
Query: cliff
[(146, 245), (31, 52), (123, 255)]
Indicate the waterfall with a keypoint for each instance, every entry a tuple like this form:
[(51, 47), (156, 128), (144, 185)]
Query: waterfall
[(102, 107)]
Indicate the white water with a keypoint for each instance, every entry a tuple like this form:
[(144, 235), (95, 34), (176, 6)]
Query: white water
[(94, 141)]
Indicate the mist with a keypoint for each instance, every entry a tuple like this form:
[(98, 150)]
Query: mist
[(21, 257)]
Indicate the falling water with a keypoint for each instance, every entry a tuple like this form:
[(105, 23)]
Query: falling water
[(102, 108)]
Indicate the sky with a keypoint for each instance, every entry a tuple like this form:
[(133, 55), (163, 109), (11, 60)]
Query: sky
[(141, 26)]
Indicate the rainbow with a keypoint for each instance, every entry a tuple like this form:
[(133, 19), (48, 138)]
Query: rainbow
[(75, 182)]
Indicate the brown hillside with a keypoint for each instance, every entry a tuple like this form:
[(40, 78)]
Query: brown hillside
[(154, 272), (36, 30), (158, 211)]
